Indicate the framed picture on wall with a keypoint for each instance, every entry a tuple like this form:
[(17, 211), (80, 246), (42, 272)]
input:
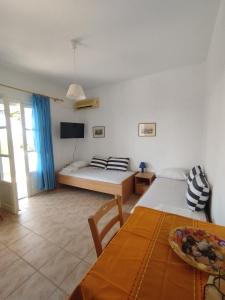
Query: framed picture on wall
[(98, 132), (147, 129)]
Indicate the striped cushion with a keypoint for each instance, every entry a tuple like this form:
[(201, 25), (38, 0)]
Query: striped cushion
[(117, 163), (98, 162), (198, 193), (197, 170)]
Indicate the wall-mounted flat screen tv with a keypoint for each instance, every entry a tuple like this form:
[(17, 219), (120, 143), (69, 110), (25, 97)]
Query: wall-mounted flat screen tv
[(71, 130)]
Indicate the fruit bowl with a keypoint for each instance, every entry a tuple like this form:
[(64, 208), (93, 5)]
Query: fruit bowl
[(199, 248)]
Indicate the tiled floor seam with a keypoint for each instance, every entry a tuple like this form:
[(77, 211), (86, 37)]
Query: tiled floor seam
[(43, 275), (20, 285), (38, 271), (56, 290), (21, 257), (68, 275), (54, 244), (7, 244), (66, 202), (47, 240)]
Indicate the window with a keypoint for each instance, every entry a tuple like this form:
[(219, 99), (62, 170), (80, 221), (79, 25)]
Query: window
[(5, 169), (2, 116), (29, 129), (3, 142), (5, 174)]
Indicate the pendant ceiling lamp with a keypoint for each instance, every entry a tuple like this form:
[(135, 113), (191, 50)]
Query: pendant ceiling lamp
[(75, 91)]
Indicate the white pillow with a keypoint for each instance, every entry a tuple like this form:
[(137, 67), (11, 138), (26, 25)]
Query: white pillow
[(79, 164), (67, 170), (172, 173)]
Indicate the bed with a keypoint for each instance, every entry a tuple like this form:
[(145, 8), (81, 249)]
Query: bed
[(116, 183), (168, 195)]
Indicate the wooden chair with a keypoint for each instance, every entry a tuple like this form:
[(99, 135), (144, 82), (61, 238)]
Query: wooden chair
[(93, 222)]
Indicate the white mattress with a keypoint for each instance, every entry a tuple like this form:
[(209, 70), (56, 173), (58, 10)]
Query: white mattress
[(169, 195), (98, 174)]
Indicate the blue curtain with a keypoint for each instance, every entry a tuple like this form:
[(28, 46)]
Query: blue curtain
[(43, 142)]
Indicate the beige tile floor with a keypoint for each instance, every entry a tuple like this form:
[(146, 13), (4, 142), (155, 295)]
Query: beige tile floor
[(48, 248)]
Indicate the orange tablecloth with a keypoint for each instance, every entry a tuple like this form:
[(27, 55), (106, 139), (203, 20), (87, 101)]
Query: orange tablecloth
[(139, 263)]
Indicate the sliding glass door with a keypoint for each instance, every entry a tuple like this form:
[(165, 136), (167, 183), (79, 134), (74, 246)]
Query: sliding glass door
[(18, 149), (29, 148)]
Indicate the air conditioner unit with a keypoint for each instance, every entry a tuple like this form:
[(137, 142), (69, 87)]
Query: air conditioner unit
[(87, 103)]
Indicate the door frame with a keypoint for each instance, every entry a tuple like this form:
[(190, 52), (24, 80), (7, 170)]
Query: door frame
[(28, 173), (14, 208)]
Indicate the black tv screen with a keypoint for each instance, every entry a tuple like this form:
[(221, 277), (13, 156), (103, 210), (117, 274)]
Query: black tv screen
[(71, 130)]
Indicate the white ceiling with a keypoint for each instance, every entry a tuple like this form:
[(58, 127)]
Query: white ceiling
[(124, 38)]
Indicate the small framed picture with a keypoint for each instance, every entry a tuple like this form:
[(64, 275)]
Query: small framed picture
[(147, 129), (98, 132)]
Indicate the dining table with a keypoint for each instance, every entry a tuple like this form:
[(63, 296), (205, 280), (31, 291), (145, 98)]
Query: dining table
[(139, 262)]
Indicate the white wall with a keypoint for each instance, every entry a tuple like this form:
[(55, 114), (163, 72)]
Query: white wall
[(63, 148), (61, 111), (214, 158), (173, 99)]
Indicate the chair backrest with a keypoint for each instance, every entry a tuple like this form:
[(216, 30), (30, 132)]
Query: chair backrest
[(93, 222)]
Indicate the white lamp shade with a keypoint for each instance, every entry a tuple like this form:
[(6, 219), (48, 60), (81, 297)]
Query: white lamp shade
[(75, 92)]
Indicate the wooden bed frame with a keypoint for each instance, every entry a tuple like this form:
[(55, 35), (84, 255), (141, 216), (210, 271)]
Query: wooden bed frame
[(124, 189)]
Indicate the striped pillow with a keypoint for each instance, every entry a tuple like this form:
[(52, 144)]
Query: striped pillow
[(117, 163), (198, 193), (98, 163), (197, 170)]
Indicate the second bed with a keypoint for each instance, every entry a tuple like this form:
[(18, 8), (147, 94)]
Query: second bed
[(169, 195)]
